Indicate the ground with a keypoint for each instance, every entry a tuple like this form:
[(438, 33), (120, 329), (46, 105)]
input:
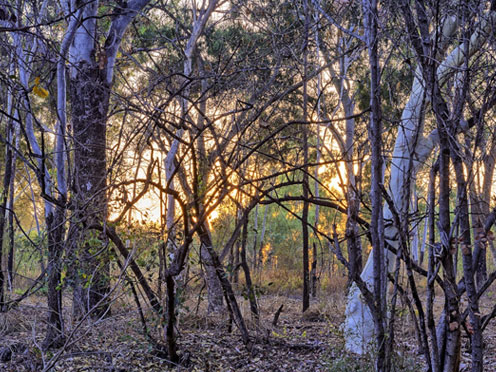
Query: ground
[(310, 343)]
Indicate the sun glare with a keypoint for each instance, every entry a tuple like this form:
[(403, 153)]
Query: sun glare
[(148, 207), (213, 215)]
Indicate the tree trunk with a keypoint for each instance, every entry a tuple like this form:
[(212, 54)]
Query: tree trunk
[(171, 320), (90, 99), (232, 304), (10, 266), (56, 228), (214, 288), (10, 259), (91, 74), (305, 183), (468, 266), (236, 248), (262, 237), (376, 218), (313, 272), (255, 238), (3, 211), (410, 146), (244, 264)]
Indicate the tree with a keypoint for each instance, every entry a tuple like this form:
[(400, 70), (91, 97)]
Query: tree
[(91, 76), (412, 149)]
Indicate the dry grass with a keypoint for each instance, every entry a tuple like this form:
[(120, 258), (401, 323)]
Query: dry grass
[(300, 342)]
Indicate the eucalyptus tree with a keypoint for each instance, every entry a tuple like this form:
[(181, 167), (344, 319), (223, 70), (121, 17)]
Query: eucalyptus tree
[(92, 59), (9, 167), (348, 50), (449, 120), (91, 74), (431, 85), (25, 49), (200, 17)]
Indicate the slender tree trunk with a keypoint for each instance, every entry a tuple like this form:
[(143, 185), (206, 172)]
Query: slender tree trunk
[(200, 19), (479, 204), (232, 304), (450, 354), (55, 332), (468, 266), (487, 185), (340, 82), (10, 259), (237, 247), (376, 218), (352, 239), (244, 264), (313, 271), (4, 199), (431, 325), (305, 183), (171, 320), (262, 237), (255, 238), (7, 183), (414, 246), (10, 268)]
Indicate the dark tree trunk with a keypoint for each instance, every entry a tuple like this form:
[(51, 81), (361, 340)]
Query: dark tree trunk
[(450, 350), (4, 197), (234, 252), (255, 238), (480, 265), (90, 100), (232, 304), (236, 248), (305, 183), (352, 239), (55, 331), (244, 264), (376, 218), (431, 325), (10, 259), (262, 237), (313, 272), (171, 320), (468, 267)]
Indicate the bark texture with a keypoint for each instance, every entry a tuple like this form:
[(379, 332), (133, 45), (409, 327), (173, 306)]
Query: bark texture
[(90, 98)]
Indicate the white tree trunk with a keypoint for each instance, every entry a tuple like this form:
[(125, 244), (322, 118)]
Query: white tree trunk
[(199, 23), (410, 145)]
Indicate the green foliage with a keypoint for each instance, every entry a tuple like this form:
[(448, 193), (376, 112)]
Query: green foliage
[(223, 42), (29, 252)]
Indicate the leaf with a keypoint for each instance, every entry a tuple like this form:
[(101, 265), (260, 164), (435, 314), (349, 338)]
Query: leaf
[(40, 92)]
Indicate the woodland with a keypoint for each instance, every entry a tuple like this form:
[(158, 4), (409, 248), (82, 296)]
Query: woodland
[(235, 185)]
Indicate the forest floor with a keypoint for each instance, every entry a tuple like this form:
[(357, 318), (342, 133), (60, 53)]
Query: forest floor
[(310, 343)]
